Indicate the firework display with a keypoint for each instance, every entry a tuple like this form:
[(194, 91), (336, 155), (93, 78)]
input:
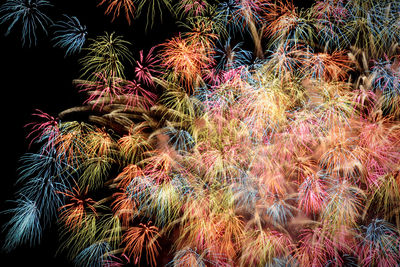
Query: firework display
[(260, 134)]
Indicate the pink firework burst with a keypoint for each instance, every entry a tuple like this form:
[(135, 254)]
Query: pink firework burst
[(146, 67)]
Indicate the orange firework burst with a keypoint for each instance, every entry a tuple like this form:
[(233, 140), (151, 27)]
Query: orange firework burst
[(288, 25), (186, 58), (124, 207), (74, 212), (143, 236), (116, 6), (330, 67)]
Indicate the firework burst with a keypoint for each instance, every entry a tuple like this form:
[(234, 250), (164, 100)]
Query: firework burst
[(30, 13)]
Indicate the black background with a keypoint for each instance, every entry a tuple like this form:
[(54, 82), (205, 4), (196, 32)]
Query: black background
[(40, 77)]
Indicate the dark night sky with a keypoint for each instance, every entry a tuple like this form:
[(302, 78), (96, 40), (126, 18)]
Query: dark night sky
[(41, 78)]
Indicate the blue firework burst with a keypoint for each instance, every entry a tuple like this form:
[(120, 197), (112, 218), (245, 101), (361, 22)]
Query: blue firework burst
[(95, 255), (30, 14), (43, 177), (380, 244), (386, 77), (24, 227), (180, 140), (70, 35), (231, 56)]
